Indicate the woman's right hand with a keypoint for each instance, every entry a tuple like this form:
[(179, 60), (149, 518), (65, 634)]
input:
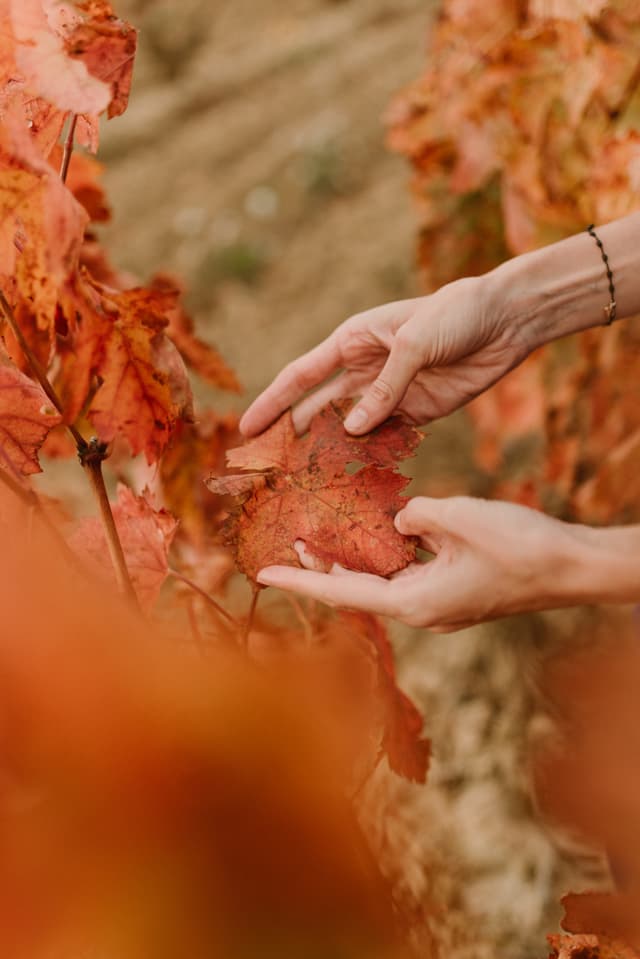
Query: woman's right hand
[(422, 358)]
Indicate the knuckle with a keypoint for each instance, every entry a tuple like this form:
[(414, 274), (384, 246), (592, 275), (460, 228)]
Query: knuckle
[(382, 391), (407, 341)]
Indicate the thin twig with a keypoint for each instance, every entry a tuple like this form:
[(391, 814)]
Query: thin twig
[(206, 596), (68, 148), (252, 611), (302, 619), (91, 459), (37, 369)]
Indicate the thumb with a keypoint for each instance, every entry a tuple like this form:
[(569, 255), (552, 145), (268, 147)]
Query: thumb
[(424, 514), (384, 395)]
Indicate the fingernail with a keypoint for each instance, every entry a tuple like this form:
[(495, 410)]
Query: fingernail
[(266, 578), (356, 420)]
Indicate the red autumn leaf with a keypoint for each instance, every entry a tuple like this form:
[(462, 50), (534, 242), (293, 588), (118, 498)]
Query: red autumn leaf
[(118, 337), (76, 56), (196, 449), (408, 753), (589, 947), (83, 179), (300, 489), (146, 535), (107, 47), (41, 231), (199, 356), (44, 64), (26, 417)]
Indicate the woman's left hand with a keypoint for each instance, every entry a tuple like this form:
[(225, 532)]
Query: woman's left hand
[(492, 559)]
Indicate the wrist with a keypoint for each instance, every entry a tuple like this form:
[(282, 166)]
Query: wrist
[(551, 293), (564, 288), (602, 565)]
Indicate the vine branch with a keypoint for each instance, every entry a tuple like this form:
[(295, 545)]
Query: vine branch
[(67, 152), (252, 612), (91, 456), (36, 367), (206, 596)]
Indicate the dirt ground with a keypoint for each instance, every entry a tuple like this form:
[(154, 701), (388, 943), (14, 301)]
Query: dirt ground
[(252, 163)]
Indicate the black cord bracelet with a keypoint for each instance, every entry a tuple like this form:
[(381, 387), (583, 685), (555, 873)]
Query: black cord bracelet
[(609, 311)]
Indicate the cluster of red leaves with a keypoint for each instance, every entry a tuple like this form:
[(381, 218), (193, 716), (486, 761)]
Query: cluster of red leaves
[(523, 130), (156, 802), (109, 710), (595, 696)]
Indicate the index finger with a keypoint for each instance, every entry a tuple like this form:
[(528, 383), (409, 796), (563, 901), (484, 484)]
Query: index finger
[(291, 384), (348, 590)]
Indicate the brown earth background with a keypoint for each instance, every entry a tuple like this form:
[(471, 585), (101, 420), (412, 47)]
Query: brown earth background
[(251, 162)]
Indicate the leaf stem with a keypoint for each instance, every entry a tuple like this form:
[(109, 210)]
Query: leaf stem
[(206, 596), (92, 458), (252, 612), (37, 369), (68, 148)]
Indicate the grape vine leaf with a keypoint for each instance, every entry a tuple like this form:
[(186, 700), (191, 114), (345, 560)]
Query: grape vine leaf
[(593, 946), (41, 231), (199, 356), (117, 338), (76, 56), (407, 752), (146, 535), (195, 450), (26, 417), (299, 488)]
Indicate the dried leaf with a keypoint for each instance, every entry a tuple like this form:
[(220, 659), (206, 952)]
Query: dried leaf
[(26, 417), (302, 490), (408, 753), (146, 535), (589, 947), (196, 450), (199, 356), (118, 337)]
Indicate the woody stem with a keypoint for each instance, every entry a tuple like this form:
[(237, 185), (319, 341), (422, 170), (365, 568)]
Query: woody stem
[(206, 596), (68, 148), (36, 368), (250, 617), (91, 456), (91, 459)]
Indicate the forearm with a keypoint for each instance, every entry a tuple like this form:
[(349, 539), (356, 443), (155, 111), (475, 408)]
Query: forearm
[(605, 564), (563, 288)]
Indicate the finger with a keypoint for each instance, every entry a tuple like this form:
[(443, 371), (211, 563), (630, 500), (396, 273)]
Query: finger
[(348, 590), (346, 384), (308, 560), (388, 390), (432, 517), (290, 384)]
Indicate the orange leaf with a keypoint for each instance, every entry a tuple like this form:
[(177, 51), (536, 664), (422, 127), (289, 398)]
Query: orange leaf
[(41, 231), (196, 450), (199, 356), (118, 337), (26, 417), (407, 752), (589, 947), (301, 490), (146, 535)]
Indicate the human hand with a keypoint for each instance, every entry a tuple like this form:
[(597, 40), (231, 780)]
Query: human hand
[(492, 559), (422, 358)]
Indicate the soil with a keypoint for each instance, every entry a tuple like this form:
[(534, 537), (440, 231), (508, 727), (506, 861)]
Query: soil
[(252, 163)]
